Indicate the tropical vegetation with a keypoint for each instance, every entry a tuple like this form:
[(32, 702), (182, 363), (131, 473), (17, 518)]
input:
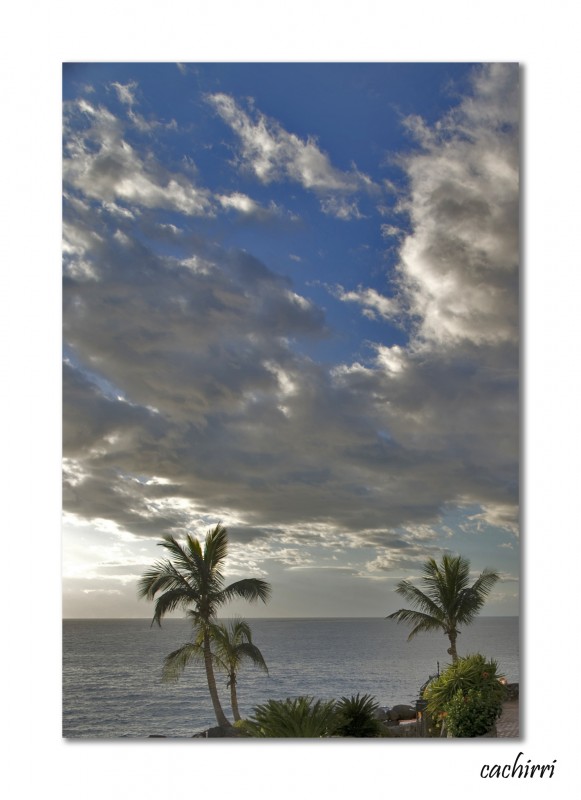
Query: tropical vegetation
[(467, 696), (465, 700), (233, 646), (447, 600), (304, 717), (356, 717), (297, 718), (192, 578)]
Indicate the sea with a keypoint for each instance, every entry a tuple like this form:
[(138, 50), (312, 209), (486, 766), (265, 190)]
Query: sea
[(112, 684)]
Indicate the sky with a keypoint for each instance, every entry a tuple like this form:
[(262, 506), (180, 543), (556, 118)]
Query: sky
[(290, 305)]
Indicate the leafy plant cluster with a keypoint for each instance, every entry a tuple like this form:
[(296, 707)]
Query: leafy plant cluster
[(472, 713), (304, 717), (356, 717), (468, 696)]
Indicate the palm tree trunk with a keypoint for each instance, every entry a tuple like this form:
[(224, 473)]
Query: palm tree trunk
[(218, 711), (234, 697), (452, 636)]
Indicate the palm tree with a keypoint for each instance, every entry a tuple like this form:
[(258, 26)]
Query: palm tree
[(192, 579), (448, 600), (233, 645)]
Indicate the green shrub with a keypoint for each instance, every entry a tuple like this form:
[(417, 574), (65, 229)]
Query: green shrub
[(242, 726), (469, 689), (472, 714), (299, 718), (356, 717)]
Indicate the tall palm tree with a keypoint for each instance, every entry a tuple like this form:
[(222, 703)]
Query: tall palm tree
[(234, 645), (448, 600), (192, 579)]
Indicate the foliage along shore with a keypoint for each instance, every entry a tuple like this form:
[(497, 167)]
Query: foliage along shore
[(390, 719), (465, 700)]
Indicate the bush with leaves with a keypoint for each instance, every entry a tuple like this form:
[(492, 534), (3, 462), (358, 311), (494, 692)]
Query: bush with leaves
[(468, 695), (241, 726), (298, 718), (356, 717), (471, 714)]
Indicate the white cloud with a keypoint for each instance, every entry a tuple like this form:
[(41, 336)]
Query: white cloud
[(499, 515), (341, 208), (104, 166), (247, 207), (374, 303), (392, 359), (240, 202), (391, 231), (449, 396), (126, 92), (459, 266), (274, 154), (115, 209), (122, 238)]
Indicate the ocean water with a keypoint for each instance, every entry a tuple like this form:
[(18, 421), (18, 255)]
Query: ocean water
[(111, 669)]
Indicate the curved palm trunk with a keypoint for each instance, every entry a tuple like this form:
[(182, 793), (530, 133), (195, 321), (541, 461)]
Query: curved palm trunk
[(234, 697), (218, 711)]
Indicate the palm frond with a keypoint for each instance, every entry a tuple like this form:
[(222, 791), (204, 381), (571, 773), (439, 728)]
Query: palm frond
[(216, 548), (445, 581), (417, 598), (455, 578), (175, 663), (219, 650), (472, 598), (422, 622), (169, 601), (196, 617), (250, 589), (240, 630), (155, 579), (252, 653), (163, 575), (233, 644), (194, 548), (484, 583), (181, 559)]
